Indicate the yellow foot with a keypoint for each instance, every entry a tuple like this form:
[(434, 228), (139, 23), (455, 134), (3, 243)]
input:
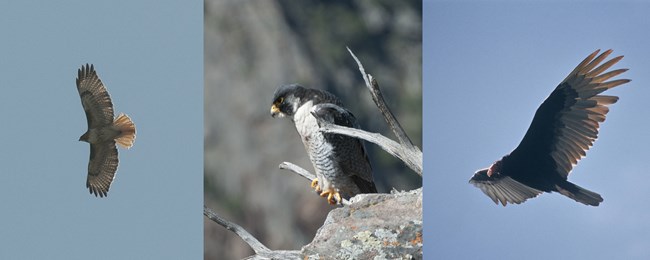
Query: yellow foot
[(314, 184), (333, 196)]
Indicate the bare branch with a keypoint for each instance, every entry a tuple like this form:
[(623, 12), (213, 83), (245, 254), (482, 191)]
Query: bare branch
[(378, 98), (410, 154), (297, 169), (412, 158), (277, 254), (305, 173), (261, 251), (255, 244)]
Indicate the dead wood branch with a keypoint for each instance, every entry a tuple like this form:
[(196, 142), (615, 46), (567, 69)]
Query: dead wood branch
[(410, 154), (411, 157), (378, 98), (261, 251), (305, 173), (298, 170)]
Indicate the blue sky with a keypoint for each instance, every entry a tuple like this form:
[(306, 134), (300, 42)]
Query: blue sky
[(487, 67), (149, 54)]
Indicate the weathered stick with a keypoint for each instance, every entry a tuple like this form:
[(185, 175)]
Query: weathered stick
[(412, 158), (305, 173), (261, 251), (255, 244), (297, 169), (378, 98), (410, 154)]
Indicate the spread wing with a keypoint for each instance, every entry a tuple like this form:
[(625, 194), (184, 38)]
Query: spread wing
[(566, 125), (503, 189), (101, 167), (349, 152), (94, 98)]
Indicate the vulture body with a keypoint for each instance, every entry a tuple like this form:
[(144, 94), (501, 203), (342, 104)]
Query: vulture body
[(564, 127)]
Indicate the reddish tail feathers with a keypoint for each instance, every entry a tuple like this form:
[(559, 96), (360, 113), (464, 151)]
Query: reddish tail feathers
[(126, 126)]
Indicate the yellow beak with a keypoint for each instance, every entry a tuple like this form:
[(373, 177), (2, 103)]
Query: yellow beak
[(275, 110)]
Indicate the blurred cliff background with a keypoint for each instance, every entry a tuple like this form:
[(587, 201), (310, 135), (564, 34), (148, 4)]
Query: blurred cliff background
[(253, 47)]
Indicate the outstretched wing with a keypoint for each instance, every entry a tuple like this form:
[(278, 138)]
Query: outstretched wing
[(566, 125), (349, 152), (503, 189), (101, 167), (94, 98)]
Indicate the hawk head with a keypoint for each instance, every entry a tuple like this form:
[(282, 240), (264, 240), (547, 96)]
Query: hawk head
[(84, 137)]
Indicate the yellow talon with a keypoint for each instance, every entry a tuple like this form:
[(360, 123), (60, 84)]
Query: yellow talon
[(333, 197), (324, 193), (314, 184), (336, 196)]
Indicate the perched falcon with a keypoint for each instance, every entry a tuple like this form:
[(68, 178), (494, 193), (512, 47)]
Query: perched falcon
[(341, 164), (103, 131), (565, 126)]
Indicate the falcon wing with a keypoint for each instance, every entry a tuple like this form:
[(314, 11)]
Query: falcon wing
[(349, 152), (503, 189), (101, 167), (94, 98), (566, 125)]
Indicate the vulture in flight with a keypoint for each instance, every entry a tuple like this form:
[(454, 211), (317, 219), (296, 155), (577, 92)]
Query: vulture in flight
[(565, 126), (104, 131)]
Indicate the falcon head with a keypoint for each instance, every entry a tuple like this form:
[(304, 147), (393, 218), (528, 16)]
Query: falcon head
[(287, 99)]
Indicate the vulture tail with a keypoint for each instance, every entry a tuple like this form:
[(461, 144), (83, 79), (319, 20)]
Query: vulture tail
[(127, 129), (579, 194)]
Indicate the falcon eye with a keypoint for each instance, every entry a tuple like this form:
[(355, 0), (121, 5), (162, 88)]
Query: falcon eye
[(280, 100)]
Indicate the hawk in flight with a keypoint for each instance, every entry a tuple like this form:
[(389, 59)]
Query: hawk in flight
[(104, 131), (565, 126), (340, 162)]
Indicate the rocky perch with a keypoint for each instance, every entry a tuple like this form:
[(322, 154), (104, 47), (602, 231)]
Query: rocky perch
[(373, 226)]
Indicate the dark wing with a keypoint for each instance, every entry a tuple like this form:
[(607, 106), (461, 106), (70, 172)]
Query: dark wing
[(319, 96), (101, 167), (566, 125), (94, 98), (503, 189), (349, 152)]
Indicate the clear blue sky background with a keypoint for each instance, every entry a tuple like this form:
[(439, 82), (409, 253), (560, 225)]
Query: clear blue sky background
[(487, 66), (149, 54)]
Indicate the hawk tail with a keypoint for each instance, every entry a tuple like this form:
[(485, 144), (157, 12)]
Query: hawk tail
[(127, 129)]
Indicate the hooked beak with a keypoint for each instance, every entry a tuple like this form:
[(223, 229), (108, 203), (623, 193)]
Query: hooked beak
[(275, 111)]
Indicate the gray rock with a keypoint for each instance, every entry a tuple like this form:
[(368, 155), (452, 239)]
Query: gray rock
[(373, 226)]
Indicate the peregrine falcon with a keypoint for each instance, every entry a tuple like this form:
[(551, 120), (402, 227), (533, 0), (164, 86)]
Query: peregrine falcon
[(341, 163)]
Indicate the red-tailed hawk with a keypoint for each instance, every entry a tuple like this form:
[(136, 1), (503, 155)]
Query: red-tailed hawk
[(103, 131)]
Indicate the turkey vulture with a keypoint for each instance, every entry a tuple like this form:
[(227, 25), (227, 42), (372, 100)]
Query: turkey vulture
[(565, 126)]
